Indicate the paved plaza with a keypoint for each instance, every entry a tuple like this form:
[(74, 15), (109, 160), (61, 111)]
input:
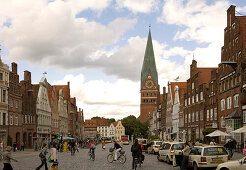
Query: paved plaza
[(29, 160)]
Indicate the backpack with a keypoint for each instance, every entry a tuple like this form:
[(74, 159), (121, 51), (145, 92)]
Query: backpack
[(135, 148)]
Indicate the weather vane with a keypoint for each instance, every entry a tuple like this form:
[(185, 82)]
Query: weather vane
[(44, 73)]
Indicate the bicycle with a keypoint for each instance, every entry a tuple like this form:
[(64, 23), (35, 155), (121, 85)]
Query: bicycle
[(136, 162), (91, 154), (121, 157), (72, 151)]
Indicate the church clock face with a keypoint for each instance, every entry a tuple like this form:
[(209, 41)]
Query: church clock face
[(149, 84)]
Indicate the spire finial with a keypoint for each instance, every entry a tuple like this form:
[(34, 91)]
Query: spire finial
[(44, 73)]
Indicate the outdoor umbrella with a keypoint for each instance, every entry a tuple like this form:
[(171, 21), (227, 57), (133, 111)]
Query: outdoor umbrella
[(217, 133), (240, 130)]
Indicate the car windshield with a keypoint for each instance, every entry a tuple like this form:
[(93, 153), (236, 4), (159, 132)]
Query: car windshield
[(179, 146), (215, 151), (158, 143), (144, 142)]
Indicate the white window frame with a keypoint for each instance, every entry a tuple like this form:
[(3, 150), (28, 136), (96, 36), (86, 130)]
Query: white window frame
[(229, 102), (211, 114), (197, 98), (201, 95), (189, 101), (185, 102), (193, 116), (197, 116), (16, 104), (201, 114), (193, 99), (11, 120), (189, 118), (215, 114), (244, 116), (236, 100), (192, 86), (208, 115), (222, 102), (186, 117), (16, 120), (11, 103)]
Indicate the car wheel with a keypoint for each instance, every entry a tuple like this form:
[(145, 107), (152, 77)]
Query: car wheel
[(168, 160), (195, 166), (158, 157), (224, 169)]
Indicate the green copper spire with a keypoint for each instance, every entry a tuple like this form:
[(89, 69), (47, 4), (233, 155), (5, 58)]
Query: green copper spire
[(149, 66)]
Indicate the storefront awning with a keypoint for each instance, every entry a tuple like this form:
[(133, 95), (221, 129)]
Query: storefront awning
[(233, 115)]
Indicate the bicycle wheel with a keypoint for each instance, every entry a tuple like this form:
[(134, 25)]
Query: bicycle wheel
[(122, 159), (135, 165), (110, 158), (89, 156), (93, 157)]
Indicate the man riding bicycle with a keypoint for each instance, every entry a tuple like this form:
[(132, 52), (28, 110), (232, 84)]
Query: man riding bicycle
[(91, 146), (136, 152), (72, 143), (117, 148)]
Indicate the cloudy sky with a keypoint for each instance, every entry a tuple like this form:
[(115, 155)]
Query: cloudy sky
[(98, 45)]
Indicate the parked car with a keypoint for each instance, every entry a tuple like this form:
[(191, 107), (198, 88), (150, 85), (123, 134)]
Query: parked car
[(169, 149), (155, 145), (233, 165), (207, 156)]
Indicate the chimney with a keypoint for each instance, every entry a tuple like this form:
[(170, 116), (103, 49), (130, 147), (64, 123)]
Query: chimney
[(230, 15), (68, 83), (27, 76), (14, 67), (164, 90)]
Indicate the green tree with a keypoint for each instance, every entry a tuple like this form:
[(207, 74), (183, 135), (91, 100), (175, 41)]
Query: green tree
[(111, 120), (134, 127), (97, 117)]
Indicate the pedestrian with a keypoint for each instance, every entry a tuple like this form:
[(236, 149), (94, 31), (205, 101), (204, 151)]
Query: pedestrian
[(136, 152), (212, 142), (77, 146), (185, 159), (53, 155), (14, 147), (18, 145), (42, 156), (7, 157), (103, 145), (117, 148), (22, 146)]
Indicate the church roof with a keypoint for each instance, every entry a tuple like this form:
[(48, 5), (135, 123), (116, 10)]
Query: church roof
[(149, 63)]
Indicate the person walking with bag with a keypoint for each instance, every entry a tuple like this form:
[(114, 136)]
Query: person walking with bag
[(53, 157), (42, 156), (136, 152), (186, 152), (7, 157)]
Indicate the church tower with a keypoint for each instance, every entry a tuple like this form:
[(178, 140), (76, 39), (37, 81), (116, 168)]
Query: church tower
[(149, 83)]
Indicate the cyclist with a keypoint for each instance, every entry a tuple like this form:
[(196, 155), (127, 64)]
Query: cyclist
[(91, 146), (136, 152), (117, 148), (72, 145)]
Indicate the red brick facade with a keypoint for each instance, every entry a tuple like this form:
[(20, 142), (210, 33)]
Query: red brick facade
[(15, 106)]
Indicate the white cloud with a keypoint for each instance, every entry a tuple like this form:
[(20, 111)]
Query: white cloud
[(139, 6), (101, 98), (201, 22), (49, 34)]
